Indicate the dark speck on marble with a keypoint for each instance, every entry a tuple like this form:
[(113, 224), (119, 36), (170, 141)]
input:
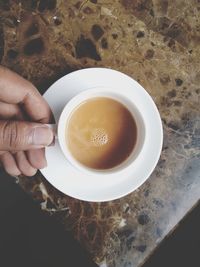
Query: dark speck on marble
[(35, 46), (152, 13), (125, 233), (161, 163), (158, 203), (172, 93), (165, 79), (146, 193), (127, 209), (87, 10), (47, 5), (140, 34), (173, 204), (174, 30), (143, 219), (104, 43), (129, 242), (86, 48), (164, 23), (149, 54), (177, 103), (97, 31), (185, 117), (114, 35), (172, 45), (166, 101), (12, 54), (159, 232), (141, 248), (179, 82), (78, 5), (173, 126), (33, 29), (57, 21)]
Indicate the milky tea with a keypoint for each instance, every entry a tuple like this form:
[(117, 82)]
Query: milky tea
[(101, 133)]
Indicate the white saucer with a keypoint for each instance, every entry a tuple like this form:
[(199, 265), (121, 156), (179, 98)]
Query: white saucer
[(72, 181)]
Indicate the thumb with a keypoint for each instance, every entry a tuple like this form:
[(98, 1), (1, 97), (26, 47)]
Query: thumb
[(21, 135)]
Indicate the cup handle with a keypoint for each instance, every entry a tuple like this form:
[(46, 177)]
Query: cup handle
[(54, 128)]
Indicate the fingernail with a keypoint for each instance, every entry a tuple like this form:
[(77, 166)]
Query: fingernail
[(42, 136)]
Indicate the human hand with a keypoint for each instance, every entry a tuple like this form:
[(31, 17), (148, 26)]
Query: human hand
[(23, 135)]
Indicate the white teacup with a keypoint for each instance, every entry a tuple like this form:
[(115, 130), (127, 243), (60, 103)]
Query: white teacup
[(94, 93), (72, 178)]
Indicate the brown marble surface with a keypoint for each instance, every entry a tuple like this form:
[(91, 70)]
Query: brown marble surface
[(157, 42)]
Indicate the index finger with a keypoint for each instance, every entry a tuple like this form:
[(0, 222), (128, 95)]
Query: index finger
[(16, 90)]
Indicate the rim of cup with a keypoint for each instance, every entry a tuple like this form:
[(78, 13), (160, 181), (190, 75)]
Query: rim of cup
[(106, 92)]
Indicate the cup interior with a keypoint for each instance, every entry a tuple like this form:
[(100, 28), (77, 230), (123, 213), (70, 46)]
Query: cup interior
[(88, 95)]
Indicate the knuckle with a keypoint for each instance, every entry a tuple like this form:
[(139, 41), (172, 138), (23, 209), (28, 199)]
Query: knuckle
[(10, 134), (8, 165)]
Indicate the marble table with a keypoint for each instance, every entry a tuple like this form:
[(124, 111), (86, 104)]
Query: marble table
[(157, 42)]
